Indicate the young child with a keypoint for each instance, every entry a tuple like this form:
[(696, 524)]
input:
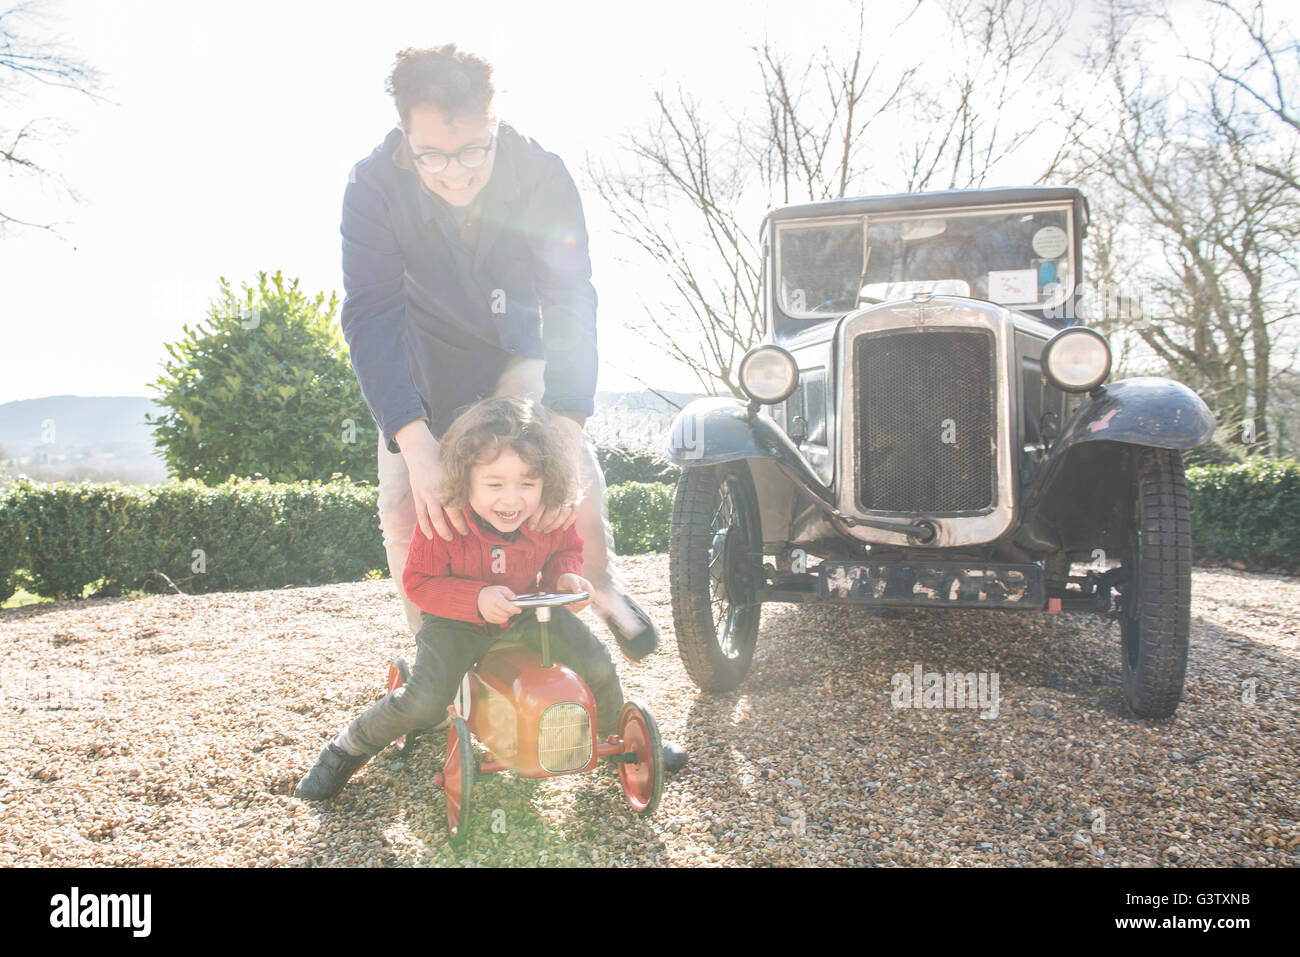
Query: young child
[(504, 459)]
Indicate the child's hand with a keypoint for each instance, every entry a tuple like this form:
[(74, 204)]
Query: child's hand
[(572, 584), (494, 604)]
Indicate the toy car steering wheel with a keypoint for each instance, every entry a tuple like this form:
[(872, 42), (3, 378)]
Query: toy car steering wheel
[(548, 599)]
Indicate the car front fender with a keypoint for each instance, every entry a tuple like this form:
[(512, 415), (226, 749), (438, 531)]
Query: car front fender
[(718, 429), (1147, 410), (1081, 495)]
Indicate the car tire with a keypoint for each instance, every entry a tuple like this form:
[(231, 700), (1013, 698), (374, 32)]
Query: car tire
[(712, 574), (1155, 617)]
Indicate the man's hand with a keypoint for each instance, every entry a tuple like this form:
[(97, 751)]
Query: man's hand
[(572, 584), (562, 516), (494, 604), (424, 464)]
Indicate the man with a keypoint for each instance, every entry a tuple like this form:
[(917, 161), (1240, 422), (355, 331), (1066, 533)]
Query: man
[(467, 275)]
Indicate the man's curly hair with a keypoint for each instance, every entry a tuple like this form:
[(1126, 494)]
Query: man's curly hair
[(489, 427), (456, 82)]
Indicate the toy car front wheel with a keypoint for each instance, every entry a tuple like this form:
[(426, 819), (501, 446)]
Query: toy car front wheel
[(458, 777), (643, 782), (715, 566), (1156, 607)]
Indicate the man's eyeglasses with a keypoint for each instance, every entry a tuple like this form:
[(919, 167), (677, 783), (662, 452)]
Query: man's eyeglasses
[(470, 157)]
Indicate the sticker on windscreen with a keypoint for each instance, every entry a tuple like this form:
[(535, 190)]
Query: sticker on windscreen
[(1050, 242), (1013, 285)]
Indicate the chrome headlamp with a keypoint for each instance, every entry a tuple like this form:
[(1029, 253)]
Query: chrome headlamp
[(768, 374), (1077, 359)]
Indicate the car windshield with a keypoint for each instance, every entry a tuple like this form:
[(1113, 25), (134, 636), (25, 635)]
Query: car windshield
[(1016, 258)]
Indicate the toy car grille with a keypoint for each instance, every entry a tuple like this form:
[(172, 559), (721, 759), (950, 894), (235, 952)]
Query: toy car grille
[(926, 413), (564, 738)]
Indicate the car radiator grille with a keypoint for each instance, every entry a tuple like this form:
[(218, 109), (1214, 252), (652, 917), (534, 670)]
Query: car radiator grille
[(926, 412)]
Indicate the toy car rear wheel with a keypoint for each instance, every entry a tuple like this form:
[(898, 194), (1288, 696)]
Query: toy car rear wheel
[(715, 569), (1155, 618), (643, 782), (459, 775)]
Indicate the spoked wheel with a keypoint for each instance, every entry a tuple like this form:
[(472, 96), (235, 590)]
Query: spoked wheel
[(643, 782), (399, 673), (1156, 608), (715, 560), (458, 777)]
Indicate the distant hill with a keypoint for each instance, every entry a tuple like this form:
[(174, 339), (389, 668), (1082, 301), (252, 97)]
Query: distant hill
[(78, 437), (106, 437), (78, 419)]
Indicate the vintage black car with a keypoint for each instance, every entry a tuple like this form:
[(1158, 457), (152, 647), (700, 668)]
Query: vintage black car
[(930, 425)]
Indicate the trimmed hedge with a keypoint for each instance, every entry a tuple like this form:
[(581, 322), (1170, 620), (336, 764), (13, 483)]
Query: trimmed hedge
[(57, 539), (1248, 512), (639, 516), (241, 534), (71, 534), (11, 541)]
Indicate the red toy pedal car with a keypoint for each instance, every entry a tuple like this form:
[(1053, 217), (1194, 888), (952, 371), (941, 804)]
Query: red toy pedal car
[(537, 717)]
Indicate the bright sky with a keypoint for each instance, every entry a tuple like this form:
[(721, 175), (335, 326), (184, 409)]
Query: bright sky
[(233, 126)]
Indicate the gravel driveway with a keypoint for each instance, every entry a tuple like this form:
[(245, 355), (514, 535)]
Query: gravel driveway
[(170, 730)]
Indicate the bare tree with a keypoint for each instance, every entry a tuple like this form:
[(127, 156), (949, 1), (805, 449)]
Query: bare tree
[(23, 58), (1268, 78), (965, 125), (686, 181), (836, 123), (1285, 398), (812, 132), (1215, 229)]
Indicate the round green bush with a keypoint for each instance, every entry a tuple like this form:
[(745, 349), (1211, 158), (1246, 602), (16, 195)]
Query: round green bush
[(264, 388)]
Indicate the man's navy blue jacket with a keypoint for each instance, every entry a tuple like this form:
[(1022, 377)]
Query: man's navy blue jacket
[(430, 323)]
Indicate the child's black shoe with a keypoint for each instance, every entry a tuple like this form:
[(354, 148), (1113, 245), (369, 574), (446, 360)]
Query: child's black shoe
[(675, 757), (331, 772)]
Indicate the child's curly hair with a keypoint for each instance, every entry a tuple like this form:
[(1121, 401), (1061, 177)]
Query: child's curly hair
[(489, 427)]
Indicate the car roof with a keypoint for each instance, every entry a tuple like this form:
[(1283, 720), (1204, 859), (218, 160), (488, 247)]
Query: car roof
[(940, 199)]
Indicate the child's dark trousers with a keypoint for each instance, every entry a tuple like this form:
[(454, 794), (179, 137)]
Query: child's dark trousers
[(448, 648)]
